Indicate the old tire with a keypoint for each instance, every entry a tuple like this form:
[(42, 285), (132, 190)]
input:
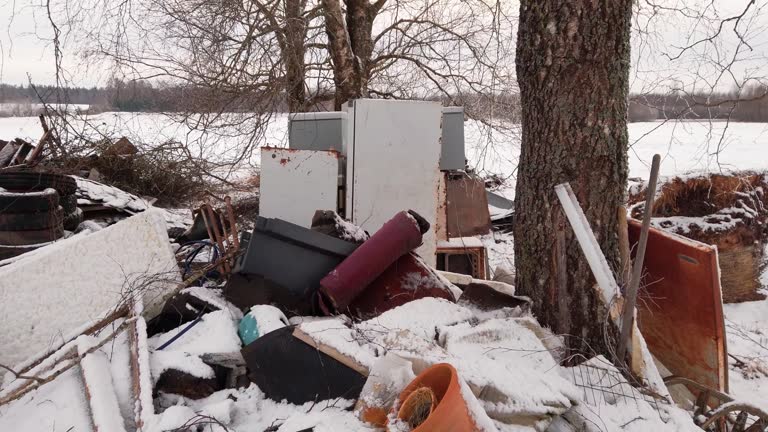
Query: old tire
[(73, 220), (26, 238), (31, 221), (7, 252), (29, 202), (23, 181)]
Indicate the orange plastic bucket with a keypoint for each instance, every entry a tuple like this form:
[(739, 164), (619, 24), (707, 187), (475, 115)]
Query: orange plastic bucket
[(449, 413)]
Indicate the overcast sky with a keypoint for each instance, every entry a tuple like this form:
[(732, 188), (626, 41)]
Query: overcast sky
[(26, 49)]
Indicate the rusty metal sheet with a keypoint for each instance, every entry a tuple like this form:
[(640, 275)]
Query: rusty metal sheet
[(467, 206), (680, 309)]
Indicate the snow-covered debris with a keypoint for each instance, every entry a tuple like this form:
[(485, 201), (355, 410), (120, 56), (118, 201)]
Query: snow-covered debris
[(215, 333), (102, 398), (59, 405), (503, 362), (609, 402), (161, 361), (54, 291), (268, 318), (252, 411), (94, 194), (214, 297), (421, 317)]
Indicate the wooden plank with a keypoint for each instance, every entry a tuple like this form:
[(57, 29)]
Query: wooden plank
[(35, 154), (331, 352)]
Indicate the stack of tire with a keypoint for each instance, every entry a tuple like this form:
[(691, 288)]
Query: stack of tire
[(35, 209)]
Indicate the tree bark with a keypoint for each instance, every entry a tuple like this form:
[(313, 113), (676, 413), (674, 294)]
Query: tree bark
[(346, 74), (350, 42), (293, 52), (573, 59)]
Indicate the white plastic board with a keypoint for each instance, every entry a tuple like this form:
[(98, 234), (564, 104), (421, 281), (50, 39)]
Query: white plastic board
[(46, 296), (296, 183), (393, 164)]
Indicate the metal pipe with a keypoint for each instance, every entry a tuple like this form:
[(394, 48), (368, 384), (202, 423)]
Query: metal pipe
[(628, 320)]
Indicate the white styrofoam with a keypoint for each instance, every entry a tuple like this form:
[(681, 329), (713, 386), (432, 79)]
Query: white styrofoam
[(53, 292), (296, 183), (393, 164)]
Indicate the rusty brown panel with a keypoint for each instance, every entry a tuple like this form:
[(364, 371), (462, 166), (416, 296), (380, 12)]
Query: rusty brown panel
[(680, 309), (467, 206)]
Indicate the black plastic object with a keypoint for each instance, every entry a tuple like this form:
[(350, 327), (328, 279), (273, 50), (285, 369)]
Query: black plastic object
[(286, 368), (181, 308), (290, 261), (197, 231), (27, 238), (486, 298), (69, 203), (31, 221), (23, 202), (73, 220), (25, 181)]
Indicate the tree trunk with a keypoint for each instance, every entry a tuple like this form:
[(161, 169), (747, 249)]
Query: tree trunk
[(572, 63), (293, 54), (360, 16), (346, 74)]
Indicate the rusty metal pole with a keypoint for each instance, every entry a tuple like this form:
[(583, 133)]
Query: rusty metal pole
[(637, 271)]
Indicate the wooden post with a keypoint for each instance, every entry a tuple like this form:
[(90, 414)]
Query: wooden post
[(628, 320)]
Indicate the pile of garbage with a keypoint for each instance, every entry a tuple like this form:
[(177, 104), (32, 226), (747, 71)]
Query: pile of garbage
[(286, 329)]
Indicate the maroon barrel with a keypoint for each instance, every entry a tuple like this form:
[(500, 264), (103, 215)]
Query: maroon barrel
[(397, 237)]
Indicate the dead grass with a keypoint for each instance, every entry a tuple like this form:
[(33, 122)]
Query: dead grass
[(706, 195)]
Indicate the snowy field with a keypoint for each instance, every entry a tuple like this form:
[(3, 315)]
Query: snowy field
[(685, 146)]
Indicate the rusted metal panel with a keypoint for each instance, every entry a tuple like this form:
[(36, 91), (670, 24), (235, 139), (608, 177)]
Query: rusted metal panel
[(680, 312), (406, 280), (467, 207)]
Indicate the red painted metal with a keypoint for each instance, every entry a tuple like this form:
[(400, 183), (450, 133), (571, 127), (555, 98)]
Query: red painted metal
[(397, 237), (408, 279), (680, 309)]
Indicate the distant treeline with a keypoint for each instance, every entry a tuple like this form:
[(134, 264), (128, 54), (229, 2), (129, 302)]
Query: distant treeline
[(143, 96), (749, 106)]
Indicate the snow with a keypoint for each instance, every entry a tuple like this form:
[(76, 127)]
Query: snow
[(90, 192), (161, 361), (460, 242), (101, 393), (386, 380), (215, 333), (746, 326), (482, 421), (84, 277), (349, 231), (512, 384), (57, 406), (421, 317), (251, 411), (609, 403), (268, 318), (215, 297)]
